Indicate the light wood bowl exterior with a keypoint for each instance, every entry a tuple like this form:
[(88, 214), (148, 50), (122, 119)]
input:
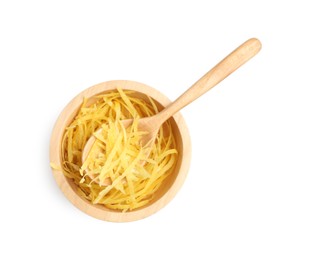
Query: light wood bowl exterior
[(168, 189)]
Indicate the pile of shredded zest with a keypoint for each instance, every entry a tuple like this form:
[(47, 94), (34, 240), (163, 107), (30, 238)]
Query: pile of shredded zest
[(117, 154)]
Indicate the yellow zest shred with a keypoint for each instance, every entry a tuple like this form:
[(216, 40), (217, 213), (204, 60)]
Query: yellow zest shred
[(55, 166), (134, 173)]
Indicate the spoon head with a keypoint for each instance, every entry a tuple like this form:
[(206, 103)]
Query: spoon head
[(90, 142), (144, 125)]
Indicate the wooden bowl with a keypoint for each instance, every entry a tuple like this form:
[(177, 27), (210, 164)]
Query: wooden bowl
[(169, 187)]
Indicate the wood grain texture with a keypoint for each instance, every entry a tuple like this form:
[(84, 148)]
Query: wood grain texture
[(223, 69), (168, 189)]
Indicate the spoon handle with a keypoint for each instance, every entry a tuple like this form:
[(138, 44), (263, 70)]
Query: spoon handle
[(223, 69)]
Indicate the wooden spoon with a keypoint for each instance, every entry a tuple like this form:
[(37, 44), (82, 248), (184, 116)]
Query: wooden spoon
[(223, 69)]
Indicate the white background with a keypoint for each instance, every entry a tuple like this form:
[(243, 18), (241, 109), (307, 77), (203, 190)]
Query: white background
[(248, 192)]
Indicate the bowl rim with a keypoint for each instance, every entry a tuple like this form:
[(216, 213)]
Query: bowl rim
[(83, 204)]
